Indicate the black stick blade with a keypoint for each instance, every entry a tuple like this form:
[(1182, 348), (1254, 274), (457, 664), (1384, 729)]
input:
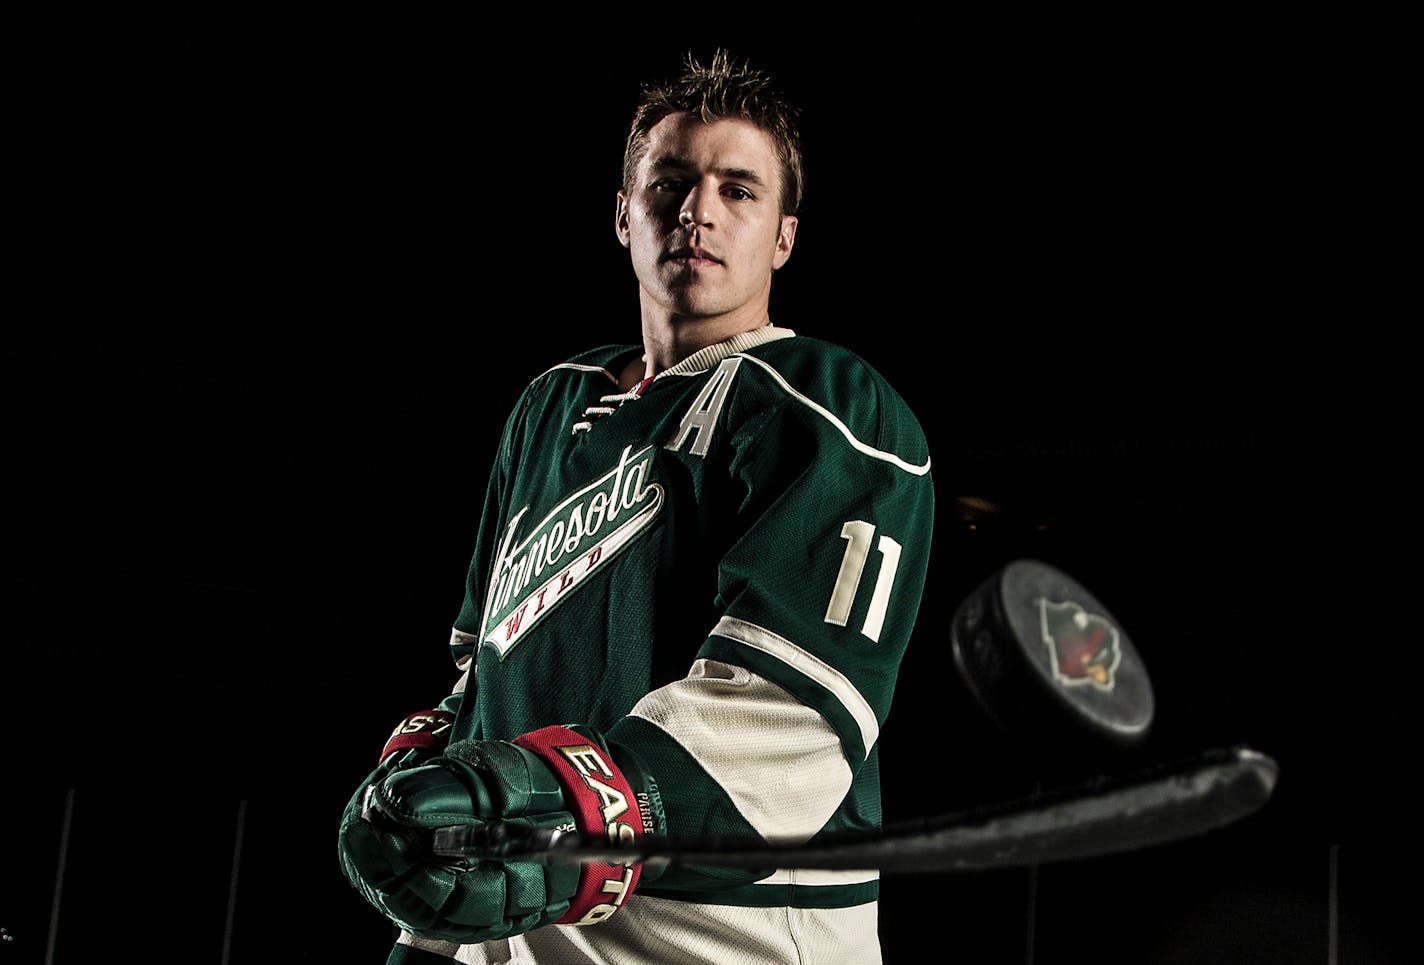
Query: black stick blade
[(1106, 816)]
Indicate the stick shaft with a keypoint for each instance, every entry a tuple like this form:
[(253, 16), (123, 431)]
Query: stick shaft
[(1110, 815)]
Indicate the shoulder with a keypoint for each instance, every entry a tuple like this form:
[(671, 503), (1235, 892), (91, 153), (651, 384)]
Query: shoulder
[(809, 361), (602, 362), (566, 386), (834, 385), (827, 373), (592, 370)]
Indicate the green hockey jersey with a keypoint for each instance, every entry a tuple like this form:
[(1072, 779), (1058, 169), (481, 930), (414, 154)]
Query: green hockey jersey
[(720, 569)]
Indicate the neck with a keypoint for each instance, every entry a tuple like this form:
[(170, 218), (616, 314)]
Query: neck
[(668, 339)]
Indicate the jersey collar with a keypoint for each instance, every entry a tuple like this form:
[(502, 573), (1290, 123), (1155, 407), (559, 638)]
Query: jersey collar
[(704, 359)]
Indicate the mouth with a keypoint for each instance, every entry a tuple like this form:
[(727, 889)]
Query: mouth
[(693, 257)]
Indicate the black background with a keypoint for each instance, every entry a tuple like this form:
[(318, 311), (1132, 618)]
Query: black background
[(278, 272)]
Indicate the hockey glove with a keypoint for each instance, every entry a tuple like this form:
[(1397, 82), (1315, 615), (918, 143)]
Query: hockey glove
[(414, 740), (420, 736), (555, 777)]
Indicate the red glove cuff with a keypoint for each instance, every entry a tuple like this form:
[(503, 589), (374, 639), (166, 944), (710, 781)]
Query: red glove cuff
[(425, 729), (603, 804)]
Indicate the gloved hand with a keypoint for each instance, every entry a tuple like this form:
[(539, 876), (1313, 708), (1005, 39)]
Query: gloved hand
[(555, 777), (422, 735)]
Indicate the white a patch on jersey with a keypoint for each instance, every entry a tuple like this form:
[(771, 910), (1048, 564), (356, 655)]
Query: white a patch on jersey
[(579, 536), (702, 415)]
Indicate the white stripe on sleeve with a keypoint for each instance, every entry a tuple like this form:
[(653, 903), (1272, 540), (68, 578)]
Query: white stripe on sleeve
[(809, 664), (777, 759)]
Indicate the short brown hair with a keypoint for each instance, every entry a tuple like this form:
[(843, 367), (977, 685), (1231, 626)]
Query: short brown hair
[(725, 88)]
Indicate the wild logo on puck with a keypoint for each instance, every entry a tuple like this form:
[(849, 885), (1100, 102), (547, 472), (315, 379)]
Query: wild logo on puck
[(1084, 648)]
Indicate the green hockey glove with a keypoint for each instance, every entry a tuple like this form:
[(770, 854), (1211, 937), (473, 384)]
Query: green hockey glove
[(555, 777)]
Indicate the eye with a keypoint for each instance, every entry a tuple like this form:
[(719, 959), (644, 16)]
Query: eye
[(738, 193), (669, 185)]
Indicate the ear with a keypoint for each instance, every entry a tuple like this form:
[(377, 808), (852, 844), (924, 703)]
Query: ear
[(785, 239), (620, 219)]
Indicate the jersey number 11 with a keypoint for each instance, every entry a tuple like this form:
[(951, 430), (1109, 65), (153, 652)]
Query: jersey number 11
[(858, 535)]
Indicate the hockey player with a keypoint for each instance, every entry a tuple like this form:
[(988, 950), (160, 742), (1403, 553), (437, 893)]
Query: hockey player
[(699, 563)]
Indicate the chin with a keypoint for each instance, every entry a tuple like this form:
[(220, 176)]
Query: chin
[(701, 314), (688, 305)]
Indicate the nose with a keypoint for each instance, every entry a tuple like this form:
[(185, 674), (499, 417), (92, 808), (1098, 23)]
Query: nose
[(695, 210)]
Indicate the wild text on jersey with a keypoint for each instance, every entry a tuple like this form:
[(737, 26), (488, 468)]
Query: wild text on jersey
[(578, 536)]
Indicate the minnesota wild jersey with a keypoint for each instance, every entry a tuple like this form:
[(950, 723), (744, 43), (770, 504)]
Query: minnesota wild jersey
[(720, 569)]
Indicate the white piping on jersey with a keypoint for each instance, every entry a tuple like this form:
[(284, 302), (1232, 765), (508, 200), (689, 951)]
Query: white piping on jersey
[(579, 367), (779, 761), (826, 414), (595, 411), (695, 364), (809, 664), (702, 360)]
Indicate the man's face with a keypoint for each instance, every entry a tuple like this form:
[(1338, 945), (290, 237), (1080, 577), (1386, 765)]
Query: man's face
[(702, 219)]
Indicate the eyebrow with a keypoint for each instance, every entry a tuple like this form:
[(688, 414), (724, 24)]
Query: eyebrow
[(672, 162)]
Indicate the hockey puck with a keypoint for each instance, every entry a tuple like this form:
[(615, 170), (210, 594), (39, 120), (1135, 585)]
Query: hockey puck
[(1048, 662)]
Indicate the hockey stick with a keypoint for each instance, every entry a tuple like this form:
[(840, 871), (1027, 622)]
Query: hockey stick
[(1101, 817)]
